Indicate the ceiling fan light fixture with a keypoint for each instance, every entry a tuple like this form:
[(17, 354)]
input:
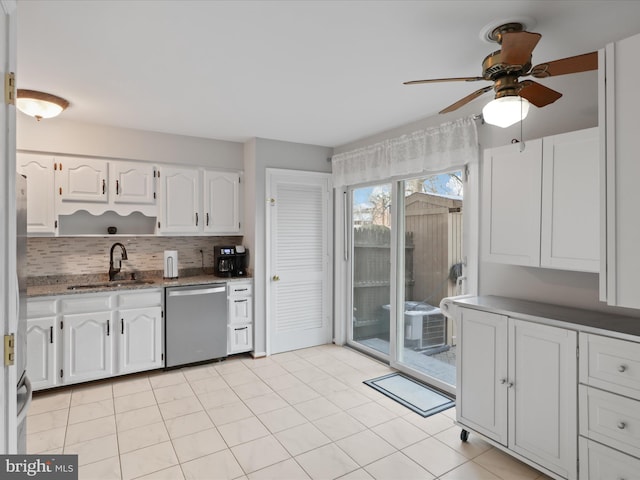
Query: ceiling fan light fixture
[(505, 111), (39, 104)]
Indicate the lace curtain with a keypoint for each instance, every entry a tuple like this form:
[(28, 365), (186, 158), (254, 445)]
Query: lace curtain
[(450, 145)]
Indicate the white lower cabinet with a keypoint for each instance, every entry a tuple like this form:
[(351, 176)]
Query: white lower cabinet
[(82, 337), (517, 387), (240, 317)]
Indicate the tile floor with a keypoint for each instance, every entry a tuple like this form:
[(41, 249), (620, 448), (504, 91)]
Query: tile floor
[(295, 415)]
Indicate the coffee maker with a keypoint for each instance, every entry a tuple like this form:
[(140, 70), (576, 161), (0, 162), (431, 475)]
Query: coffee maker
[(230, 261)]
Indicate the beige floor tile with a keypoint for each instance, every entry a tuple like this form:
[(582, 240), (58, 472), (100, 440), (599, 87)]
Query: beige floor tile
[(259, 362), (253, 389), (47, 401), (432, 425), (180, 407), (317, 408), (505, 466), (94, 450), (200, 372), (173, 392), (90, 411), (135, 401), (47, 421), (400, 433), (310, 374), (229, 413), (46, 441), (365, 447), (287, 470), (137, 418), (302, 438), (339, 425), (164, 379), (281, 419), (473, 447), (81, 432), (298, 394), (242, 431), (217, 466), (224, 396), (282, 382), (209, 384), (269, 371), (434, 456), (397, 466), (360, 474), (346, 399), (147, 460), (91, 393), (232, 365), (469, 471), (171, 473), (188, 424), (141, 437), (326, 386), (371, 414), (295, 365), (265, 403), (107, 469), (259, 453), (240, 377), (129, 386), (198, 444), (326, 462)]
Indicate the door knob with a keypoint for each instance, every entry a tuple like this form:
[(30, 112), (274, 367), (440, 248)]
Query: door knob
[(276, 278)]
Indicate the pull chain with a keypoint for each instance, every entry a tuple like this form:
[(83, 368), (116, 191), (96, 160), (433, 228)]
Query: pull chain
[(522, 145)]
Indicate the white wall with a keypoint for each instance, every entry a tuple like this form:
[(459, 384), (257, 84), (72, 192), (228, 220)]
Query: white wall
[(65, 137), (261, 154), (577, 109)]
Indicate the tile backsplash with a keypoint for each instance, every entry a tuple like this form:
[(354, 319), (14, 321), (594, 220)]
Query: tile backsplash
[(90, 255)]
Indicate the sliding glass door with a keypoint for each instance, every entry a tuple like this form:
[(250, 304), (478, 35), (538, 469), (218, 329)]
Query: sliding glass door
[(406, 257)]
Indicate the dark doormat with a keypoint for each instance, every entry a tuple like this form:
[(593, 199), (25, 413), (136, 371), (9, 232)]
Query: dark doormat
[(412, 394)]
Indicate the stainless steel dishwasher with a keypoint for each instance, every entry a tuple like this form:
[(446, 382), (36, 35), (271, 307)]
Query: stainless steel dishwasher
[(195, 323)]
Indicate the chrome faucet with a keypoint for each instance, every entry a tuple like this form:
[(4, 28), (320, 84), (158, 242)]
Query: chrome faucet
[(114, 271)]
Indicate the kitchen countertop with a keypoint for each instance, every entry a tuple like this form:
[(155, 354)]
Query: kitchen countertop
[(59, 285), (588, 321)]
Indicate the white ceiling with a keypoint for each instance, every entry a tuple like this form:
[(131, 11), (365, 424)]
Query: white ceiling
[(316, 72)]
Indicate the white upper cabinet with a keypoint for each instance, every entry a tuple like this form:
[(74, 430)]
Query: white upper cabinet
[(180, 210), (221, 202), (570, 237), (82, 180), (512, 184), (38, 169), (540, 205), (618, 108), (133, 182)]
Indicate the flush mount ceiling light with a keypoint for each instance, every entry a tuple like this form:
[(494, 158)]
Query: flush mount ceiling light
[(39, 104), (505, 111)]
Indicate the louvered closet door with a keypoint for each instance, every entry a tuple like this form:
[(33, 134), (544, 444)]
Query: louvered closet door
[(299, 296)]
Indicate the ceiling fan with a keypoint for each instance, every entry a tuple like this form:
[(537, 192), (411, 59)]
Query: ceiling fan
[(506, 66)]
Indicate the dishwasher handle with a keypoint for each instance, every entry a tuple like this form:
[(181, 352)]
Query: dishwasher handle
[(200, 291)]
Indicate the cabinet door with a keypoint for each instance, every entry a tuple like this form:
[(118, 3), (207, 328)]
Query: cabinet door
[(240, 338), (133, 182), (140, 339), (570, 202), (82, 180), (482, 376), (240, 310), (221, 202), (542, 397), (180, 200), (87, 346), (40, 192), (512, 189), (41, 349)]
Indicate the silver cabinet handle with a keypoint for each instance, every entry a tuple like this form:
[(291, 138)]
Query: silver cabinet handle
[(622, 368), (622, 425)]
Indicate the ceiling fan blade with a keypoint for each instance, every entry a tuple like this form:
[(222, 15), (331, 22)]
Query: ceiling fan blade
[(466, 99), (538, 94), (517, 47), (579, 63), (437, 80)]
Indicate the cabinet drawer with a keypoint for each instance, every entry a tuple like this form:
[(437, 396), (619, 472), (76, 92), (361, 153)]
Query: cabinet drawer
[(138, 299), (598, 462), (85, 303), (240, 338), (41, 308), (239, 289), (610, 419), (610, 364)]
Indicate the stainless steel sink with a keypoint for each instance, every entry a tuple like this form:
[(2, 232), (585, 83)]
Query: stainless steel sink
[(114, 284)]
